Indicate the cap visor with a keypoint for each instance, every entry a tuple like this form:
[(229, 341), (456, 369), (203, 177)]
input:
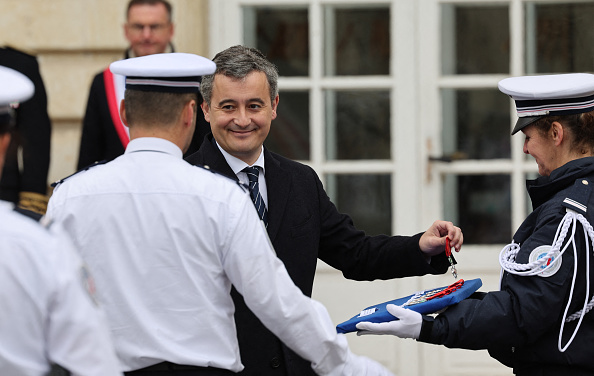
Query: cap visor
[(524, 122)]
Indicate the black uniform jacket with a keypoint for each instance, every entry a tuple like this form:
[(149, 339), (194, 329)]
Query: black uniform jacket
[(99, 139), (520, 324), (304, 225), (32, 134)]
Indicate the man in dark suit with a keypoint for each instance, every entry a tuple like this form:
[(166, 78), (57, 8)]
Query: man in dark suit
[(240, 102), (149, 29), (24, 180)]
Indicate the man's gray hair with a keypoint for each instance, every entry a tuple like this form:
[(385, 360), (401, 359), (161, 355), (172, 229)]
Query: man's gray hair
[(237, 62)]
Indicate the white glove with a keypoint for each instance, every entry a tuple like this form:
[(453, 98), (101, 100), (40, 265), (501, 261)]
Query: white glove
[(408, 325), (356, 365)]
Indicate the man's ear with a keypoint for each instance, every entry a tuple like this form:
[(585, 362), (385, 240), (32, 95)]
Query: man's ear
[(275, 107), (205, 110), (189, 113), (123, 113)]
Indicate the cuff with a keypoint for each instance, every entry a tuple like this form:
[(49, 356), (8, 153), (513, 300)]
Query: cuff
[(426, 329)]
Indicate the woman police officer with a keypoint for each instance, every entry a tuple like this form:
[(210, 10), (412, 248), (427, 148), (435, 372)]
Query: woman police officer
[(540, 321)]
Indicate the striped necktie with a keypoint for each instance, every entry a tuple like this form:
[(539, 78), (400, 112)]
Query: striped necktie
[(253, 173)]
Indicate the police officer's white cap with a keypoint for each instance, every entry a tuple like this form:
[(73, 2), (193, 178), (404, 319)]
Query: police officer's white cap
[(168, 72), (14, 87), (547, 95)]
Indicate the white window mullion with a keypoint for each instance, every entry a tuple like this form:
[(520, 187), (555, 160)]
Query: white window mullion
[(316, 99), (518, 178)]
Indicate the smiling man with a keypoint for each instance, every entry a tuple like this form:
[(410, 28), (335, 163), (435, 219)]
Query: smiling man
[(240, 102)]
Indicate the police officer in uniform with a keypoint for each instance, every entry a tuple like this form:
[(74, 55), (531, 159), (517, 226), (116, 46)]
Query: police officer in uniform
[(48, 314), (541, 321), (166, 240)]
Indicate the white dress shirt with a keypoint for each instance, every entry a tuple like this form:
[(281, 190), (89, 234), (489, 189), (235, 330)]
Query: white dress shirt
[(237, 165), (165, 241), (47, 311)]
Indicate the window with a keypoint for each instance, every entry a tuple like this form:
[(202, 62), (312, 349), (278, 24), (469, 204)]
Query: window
[(483, 167), (405, 92), (317, 87)]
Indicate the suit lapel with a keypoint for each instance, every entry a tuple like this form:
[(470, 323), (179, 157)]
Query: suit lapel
[(211, 156), (278, 184)]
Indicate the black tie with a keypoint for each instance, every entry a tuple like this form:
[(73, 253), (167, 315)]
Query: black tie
[(252, 173)]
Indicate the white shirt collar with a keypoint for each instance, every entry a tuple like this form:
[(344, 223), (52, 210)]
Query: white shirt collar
[(154, 144), (237, 164)]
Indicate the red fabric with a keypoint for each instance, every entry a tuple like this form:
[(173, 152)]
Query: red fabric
[(114, 107)]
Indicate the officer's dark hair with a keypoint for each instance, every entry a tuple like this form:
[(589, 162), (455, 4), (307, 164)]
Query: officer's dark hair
[(7, 120), (581, 127), (150, 2), (151, 108), (237, 62)]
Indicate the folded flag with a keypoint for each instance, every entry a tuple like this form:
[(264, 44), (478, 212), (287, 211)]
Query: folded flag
[(424, 302)]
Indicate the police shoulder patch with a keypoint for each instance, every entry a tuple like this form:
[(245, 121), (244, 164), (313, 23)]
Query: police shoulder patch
[(553, 263)]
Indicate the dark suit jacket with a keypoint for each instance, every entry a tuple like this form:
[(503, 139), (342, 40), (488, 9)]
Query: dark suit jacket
[(32, 134), (100, 141), (304, 225)]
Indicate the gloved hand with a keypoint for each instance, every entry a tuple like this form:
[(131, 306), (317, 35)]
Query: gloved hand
[(372, 368), (408, 325), (356, 365)]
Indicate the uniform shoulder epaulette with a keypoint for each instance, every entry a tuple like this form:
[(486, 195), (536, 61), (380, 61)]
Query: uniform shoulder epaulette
[(578, 196), (28, 213), (207, 168), (56, 183)]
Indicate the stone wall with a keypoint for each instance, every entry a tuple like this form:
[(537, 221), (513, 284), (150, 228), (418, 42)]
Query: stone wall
[(75, 39)]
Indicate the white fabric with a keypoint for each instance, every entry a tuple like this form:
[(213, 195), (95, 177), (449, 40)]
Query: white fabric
[(46, 314), (237, 165), (174, 64), (552, 86), (119, 85), (15, 87), (166, 240), (408, 324)]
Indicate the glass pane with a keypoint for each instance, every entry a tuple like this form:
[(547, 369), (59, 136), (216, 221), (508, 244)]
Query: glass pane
[(560, 38), (282, 35), (357, 41), (475, 39), (481, 206), (476, 124), (366, 198), (289, 132), (358, 124)]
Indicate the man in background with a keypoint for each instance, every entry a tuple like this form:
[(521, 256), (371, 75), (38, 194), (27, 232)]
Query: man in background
[(149, 30)]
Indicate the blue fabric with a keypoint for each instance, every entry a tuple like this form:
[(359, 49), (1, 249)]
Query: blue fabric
[(381, 314)]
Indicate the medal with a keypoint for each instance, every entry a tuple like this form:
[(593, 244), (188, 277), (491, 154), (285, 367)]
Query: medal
[(448, 252)]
